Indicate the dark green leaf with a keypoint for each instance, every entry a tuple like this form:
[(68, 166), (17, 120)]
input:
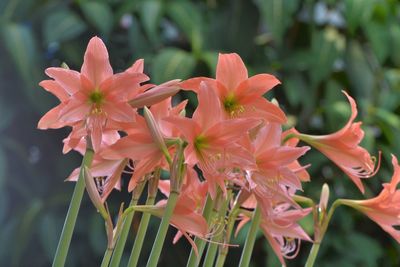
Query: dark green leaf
[(99, 15), (378, 36), (357, 12), (172, 64), (358, 70), (150, 15), (189, 20), (62, 25), (277, 16)]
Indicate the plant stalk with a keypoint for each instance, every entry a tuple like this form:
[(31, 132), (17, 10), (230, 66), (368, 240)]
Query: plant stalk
[(251, 238), (73, 210), (194, 259), (137, 247)]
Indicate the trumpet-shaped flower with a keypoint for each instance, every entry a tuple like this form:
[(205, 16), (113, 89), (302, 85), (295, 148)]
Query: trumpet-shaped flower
[(93, 97), (342, 147), (211, 138), (279, 224), (383, 209), (239, 95), (274, 172)]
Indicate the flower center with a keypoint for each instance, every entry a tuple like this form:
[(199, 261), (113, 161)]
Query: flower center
[(200, 142), (232, 106), (96, 98)]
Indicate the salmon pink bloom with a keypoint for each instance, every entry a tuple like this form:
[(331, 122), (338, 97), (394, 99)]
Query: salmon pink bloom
[(93, 97), (342, 147), (385, 208), (187, 216), (280, 226), (274, 173), (139, 144), (210, 138), (239, 95)]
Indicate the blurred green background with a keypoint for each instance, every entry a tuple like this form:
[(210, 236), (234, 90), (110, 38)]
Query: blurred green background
[(316, 48)]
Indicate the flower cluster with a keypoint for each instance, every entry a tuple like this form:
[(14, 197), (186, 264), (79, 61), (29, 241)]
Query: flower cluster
[(233, 152)]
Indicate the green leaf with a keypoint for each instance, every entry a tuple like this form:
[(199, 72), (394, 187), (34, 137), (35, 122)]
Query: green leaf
[(22, 48), (326, 47), (189, 20), (295, 88), (378, 36), (62, 25), (277, 16), (49, 233), (137, 41), (357, 12), (358, 71), (172, 63), (211, 59), (364, 249), (150, 15), (97, 235), (25, 230), (394, 31), (99, 14)]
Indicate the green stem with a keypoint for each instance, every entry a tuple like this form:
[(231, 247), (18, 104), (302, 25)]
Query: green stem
[(106, 257), (137, 247), (324, 226), (73, 210), (212, 247), (313, 255), (120, 245), (194, 259), (223, 252), (162, 230), (251, 238)]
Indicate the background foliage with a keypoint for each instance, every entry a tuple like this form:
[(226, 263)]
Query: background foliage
[(316, 48)]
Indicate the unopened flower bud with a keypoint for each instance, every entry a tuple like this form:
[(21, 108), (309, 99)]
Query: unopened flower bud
[(323, 202), (155, 131), (156, 94)]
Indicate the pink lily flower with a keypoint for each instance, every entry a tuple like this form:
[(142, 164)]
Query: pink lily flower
[(342, 147), (383, 209), (211, 139), (92, 97), (239, 95)]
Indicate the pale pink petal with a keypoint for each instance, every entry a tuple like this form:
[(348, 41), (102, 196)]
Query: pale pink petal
[(51, 119), (121, 112), (96, 66), (231, 70), (137, 66), (55, 88), (69, 80), (209, 110), (255, 86)]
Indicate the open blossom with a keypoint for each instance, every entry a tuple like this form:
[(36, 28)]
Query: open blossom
[(139, 144), (342, 147), (279, 224), (383, 209), (274, 160), (92, 97), (239, 95), (210, 138)]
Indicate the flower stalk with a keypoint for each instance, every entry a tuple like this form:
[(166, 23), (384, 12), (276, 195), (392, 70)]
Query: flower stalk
[(220, 211), (251, 238), (144, 222), (127, 222), (177, 173), (73, 210), (194, 259)]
